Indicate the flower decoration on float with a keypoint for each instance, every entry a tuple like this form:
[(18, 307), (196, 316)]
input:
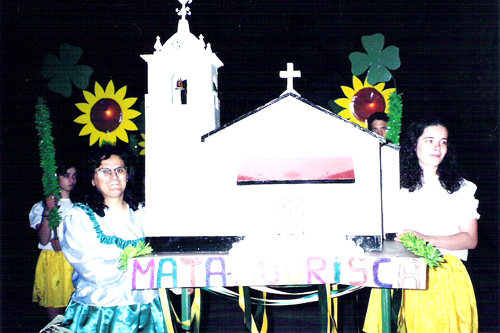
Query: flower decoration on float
[(362, 100), (143, 144), (107, 114), (365, 99)]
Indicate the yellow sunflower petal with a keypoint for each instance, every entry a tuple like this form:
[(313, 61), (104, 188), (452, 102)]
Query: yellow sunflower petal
[(356, 84), (110, 89), (143, 152), (386, 93), (128, 102), (131, 114), (380, 86), (120, 94), (90, 98), (348, 91), (87, 129), (343, 102), (108, 137), (128, 125), (84, 107), (121, 134), (83, 119), (99, 92), (356, 121), (346, 114), (93, 138)]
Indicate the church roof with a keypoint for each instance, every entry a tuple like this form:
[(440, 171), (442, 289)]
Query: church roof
[(303, 100)]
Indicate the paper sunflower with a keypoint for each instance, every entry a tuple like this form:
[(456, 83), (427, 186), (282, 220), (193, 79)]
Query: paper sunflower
[(107, 114), (363, 100)]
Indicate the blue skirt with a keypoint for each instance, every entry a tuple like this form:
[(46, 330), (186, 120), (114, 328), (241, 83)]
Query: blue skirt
[(126, 318)]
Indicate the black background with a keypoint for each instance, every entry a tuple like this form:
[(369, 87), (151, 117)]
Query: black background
[(448, 50)]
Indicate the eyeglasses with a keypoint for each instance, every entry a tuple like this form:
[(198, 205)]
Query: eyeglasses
[(106, 173)]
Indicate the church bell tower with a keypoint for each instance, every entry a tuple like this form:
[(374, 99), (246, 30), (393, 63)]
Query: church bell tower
[(182, 84), (181, 105)]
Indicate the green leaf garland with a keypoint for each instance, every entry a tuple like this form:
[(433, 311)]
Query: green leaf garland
[(422, 248), (131, 251), (47, 159), (395, 113)]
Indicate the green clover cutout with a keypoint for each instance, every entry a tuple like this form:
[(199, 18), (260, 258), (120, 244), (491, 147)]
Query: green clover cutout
[(62, 72), (375, 59)]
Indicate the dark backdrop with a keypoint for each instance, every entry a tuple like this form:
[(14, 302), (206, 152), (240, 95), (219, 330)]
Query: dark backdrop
[(448, 51)]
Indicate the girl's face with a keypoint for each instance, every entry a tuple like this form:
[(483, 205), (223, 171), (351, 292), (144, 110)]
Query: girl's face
[(432, 147), (111, 177), (67, 181)]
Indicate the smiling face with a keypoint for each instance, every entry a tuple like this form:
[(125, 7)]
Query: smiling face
[(112, 185), (67, 182), (432, 147)]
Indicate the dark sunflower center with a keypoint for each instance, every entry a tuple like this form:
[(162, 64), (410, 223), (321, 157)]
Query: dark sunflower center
[(106, 115), (366, 102)]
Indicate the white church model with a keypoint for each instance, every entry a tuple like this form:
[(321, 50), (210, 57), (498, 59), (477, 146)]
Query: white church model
[(289, 167)]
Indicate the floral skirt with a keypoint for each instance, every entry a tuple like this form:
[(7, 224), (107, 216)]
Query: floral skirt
[(125, 318), (447, 305), (53, 286)]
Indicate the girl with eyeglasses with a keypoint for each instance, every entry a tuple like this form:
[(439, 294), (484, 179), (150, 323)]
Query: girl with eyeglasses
[(94, 237), (53, 287)]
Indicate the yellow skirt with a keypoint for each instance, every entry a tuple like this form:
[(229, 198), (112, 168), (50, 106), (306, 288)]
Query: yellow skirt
[(447, 305), (53, 286)]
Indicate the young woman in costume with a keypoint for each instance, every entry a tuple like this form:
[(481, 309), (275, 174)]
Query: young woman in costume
[(94, 237), (53, 286), (439, 206)]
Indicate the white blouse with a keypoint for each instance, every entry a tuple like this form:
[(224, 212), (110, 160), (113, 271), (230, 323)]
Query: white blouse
[(35, 217), (431, 210), (91, 248)]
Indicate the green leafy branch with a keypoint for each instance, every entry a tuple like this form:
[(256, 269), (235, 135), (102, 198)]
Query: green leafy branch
[(141, 249), (395, 114), (422, 248), (47, 159)]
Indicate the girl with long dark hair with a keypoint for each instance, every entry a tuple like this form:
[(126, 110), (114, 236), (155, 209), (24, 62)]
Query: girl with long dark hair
[(438, 206)]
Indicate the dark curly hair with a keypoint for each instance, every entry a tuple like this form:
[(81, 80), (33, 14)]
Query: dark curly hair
[(411, 173), (94, 198)]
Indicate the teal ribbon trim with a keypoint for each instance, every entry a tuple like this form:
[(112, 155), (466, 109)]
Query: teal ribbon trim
[(105, 239)]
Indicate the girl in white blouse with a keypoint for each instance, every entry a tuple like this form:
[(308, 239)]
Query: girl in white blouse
[(53, 287), (439, 206)]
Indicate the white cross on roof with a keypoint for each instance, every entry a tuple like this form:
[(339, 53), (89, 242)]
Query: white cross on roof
[(289, 74)]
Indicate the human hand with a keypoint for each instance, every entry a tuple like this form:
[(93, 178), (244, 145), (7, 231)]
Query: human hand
[(405, 231), (50, 202), (55, 244)]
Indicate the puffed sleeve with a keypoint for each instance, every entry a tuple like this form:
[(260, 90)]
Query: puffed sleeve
[(93, 261), (468, 203), (35, 215)]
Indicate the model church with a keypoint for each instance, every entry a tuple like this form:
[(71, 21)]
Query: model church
[(290, 167)]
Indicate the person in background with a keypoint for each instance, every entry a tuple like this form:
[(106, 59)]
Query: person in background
[(53, 286), (438, 206), (94, 236), (377, 123)]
